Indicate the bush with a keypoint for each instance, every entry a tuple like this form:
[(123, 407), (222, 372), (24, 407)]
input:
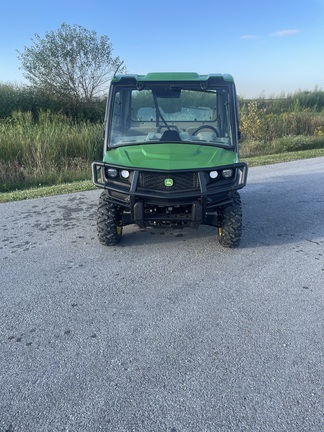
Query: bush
[(30, 99), (49, 150), (280, 145), (259, 125)]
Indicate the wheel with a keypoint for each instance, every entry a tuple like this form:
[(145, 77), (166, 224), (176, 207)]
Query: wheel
[(230, 218), (109, 221), (206, 127)]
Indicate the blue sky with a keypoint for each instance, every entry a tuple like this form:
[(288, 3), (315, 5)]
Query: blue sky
[(269, 46)]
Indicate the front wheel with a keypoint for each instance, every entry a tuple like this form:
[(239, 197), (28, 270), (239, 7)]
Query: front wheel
[(230, 219), (109, 221)]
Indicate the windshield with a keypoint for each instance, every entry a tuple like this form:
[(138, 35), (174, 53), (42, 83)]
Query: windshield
[(164, 113)]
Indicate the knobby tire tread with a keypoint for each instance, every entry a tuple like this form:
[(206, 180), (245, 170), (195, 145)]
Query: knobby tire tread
[(107, 221), (231, 223)]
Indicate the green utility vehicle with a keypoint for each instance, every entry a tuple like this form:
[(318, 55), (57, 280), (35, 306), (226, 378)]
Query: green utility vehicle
[(170, 156)]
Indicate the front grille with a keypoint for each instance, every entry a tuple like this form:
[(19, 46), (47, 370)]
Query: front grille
[(155, 181)]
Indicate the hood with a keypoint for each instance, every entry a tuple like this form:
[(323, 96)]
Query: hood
[(170, 156)]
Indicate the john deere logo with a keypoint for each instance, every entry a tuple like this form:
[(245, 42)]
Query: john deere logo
[(168, 182)]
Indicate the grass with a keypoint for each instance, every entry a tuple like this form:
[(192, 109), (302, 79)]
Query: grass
[(87, 185), (53, 150), (282, 157), (282, 145), (53, 154), (46, 191)]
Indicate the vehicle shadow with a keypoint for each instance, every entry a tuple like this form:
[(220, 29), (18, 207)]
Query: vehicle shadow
[(280, 211), (134, 236), (283, 212)]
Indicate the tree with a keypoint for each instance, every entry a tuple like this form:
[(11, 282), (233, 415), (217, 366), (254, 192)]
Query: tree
[(72, 63)]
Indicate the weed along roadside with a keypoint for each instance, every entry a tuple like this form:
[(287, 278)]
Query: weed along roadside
[(51, 150)]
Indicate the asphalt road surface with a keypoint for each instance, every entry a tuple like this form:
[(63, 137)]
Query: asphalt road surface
[(167, 331)]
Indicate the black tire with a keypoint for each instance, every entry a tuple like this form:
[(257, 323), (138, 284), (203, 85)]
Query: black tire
[(109, 221), (230, 218)]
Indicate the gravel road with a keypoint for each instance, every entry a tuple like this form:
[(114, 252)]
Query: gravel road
[(167, 331)]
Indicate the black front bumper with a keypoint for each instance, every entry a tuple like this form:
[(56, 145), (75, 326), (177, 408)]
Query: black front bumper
[(193, 195)]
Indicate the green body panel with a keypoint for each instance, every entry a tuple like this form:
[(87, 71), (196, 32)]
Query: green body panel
[(173, 76), (170, 156)]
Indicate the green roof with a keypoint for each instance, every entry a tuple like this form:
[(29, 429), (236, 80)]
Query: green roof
[(173, 76)]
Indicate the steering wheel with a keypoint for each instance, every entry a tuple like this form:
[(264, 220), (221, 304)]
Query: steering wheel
[(206, 127)]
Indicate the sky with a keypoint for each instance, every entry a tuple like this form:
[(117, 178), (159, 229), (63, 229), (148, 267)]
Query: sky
[(271, 47)]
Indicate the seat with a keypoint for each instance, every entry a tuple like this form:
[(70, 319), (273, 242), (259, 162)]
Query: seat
[(170, 135)]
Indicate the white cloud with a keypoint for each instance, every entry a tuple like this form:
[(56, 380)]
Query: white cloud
[(284, 33), (249, 37)]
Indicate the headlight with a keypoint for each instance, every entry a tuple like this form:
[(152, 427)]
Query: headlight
[(213, 174), (111, 172), (227, 173), (124, 174)]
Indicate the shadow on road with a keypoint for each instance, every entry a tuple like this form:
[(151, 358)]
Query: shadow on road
[(282, 211)]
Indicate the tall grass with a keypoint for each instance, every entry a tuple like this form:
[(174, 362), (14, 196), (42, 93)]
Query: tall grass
[(292, 102), (28, 98), (52, 150), (44, 146), (280, 145), (265, 132)]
